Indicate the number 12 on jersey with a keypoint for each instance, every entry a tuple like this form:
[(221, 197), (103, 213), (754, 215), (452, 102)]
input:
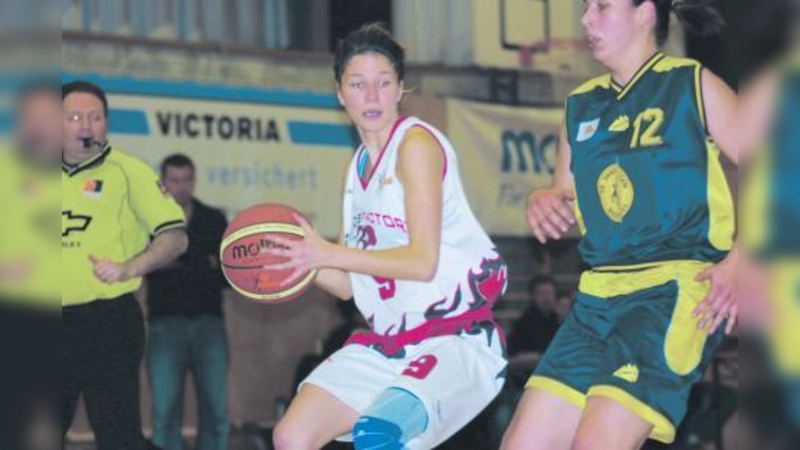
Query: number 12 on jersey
[(646, 128)]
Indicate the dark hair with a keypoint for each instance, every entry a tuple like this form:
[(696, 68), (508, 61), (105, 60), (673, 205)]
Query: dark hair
[(370, 38), (699, 17), (176, 160), (37, 87), (540, 280), (87, 88)]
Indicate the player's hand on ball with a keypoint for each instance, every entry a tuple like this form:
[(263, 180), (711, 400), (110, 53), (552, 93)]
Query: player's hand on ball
[(109, 271), (550, 213), (303, 255)]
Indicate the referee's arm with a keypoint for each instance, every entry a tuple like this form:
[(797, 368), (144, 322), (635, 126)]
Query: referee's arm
[(160, 216), (165, 248)]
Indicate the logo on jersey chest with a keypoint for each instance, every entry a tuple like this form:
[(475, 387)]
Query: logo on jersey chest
[(616, 192), (73, 223), (386, 181), (382, 180), (587, 129), (620, 124), (93, 188)]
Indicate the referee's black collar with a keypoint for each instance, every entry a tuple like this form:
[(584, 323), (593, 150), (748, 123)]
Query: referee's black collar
[(92, 162)]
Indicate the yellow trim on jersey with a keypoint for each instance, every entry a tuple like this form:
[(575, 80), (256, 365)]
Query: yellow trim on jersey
[(684, 342), (602, 82), (639, 74), (698, 94), (721, 211), (668, 63), (557, 388), (783, 332), (613, 281), (754, 203), (663, 429)]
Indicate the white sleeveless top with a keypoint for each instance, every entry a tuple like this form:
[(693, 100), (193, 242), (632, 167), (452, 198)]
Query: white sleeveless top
[(470, 275)]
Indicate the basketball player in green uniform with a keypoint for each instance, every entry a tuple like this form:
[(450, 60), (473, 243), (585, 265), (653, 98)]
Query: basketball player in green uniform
[(639, 172), (770, 217)]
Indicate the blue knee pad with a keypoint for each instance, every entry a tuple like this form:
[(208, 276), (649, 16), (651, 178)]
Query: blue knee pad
[(396, 417)]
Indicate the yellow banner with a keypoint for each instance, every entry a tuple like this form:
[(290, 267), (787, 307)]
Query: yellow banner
[(504, 153)]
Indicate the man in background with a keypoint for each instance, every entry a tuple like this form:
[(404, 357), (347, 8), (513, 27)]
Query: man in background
[(187, 329), (532, 333)]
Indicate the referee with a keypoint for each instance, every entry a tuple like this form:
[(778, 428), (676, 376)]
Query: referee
[(30, 264), (117, 225)]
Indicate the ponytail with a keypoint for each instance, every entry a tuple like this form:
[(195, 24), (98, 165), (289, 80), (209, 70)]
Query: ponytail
[(699, 17)]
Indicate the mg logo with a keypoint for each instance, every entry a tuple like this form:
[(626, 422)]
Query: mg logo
[(254, 248), (523, 152)]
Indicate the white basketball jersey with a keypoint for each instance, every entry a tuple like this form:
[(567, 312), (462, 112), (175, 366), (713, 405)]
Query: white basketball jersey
[(470, 275)]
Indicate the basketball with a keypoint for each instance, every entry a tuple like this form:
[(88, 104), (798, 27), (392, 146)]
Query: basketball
[(243, 253)]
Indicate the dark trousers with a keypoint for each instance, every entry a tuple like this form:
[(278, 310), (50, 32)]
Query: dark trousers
[(178, 346), (103, 347), (30, 340)]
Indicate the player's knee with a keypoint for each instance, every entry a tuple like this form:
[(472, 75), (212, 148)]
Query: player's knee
[(373, 433), (598, 441), (584, 442), (396, 417), (512, 440), (517, 439), (289, 435)]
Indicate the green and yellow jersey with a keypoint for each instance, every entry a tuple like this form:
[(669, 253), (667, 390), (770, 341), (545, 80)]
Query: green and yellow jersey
[(771, 195), (112, 205), (649, 183), (29, 196), (770, 217)]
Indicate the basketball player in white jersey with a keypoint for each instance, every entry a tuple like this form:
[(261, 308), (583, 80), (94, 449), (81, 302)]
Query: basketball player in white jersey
[(421, 269)]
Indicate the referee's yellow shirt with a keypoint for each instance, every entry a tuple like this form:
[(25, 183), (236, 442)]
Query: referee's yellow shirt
[(111, 205), (29, 197)]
